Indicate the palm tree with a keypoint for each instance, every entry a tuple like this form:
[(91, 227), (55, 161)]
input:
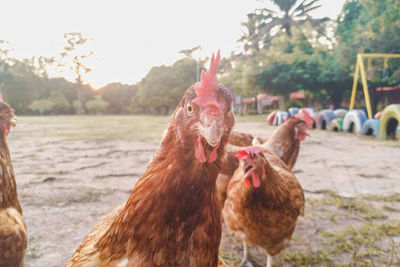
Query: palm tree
[(263, 24)]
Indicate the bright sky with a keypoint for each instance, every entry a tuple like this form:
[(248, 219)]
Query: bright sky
[(128, 37)]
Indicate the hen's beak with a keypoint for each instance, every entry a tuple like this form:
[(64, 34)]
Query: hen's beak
[(13, 121), (248, 168), (213, 124)]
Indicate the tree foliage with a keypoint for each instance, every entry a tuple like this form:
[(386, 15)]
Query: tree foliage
[(263, 24), (160, 91), (97, 105)]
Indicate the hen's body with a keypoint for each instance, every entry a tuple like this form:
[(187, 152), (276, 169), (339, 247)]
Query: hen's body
[(266, 215), (285, 142), (178, 221), (229, 164), (244, 139), (13, 236), (172, 217)]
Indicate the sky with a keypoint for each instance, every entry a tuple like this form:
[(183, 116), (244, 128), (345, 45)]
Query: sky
[(129, 37)]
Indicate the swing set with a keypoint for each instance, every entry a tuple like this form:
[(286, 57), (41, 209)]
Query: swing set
[(360, 70)]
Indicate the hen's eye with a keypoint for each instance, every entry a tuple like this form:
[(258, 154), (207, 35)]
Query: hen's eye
[(189, 108)]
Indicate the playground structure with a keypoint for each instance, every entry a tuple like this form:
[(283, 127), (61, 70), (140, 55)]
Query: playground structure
[(385, 124), (360, 70), (389, 122)]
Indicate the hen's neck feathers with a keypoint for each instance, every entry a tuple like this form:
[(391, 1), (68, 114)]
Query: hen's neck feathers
[(169, 201), (8, 189)]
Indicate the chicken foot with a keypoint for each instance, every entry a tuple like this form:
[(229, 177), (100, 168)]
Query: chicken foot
[(247, 260)]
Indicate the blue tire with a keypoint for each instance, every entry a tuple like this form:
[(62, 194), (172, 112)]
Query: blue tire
[(340, 113), (354, 121), (371, 127), (280, 117), (293, 111), (324, 118)]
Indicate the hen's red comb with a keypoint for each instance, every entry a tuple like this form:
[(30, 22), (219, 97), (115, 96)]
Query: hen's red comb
[(305, 116), (248, 152), (206, 91)]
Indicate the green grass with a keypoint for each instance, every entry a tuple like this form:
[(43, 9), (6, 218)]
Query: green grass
[(363, 244), (357, 206), (310, 258)]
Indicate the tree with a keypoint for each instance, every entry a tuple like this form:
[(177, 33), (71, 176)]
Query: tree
[(60, 104), (265, 23), (118, 96), (370, 26), (160, 91), (74, 56)]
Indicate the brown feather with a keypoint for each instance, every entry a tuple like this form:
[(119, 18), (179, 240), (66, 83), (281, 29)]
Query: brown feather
[(265, 216), (13, 236), (284, 141), (172, 216), (244, 139)]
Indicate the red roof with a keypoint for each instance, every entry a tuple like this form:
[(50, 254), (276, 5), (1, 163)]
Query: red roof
[(297, 95), (260, 97), (388, 88)]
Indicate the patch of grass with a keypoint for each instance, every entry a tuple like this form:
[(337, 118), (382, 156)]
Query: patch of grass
[(311, 258), (392, 198), (362, 244), (228, 256), (356, 206)]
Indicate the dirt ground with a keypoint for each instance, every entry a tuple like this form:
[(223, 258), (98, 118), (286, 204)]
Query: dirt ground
[(351, 183)]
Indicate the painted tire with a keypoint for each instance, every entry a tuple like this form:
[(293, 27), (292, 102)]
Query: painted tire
[(340, 113), (371, 127), (324, 118), (354, 120), (281, 117), (336, 125), (390, 119), (271, 117), (293, 111)]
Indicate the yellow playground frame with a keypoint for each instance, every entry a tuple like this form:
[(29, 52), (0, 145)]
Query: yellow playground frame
[(360, 69)]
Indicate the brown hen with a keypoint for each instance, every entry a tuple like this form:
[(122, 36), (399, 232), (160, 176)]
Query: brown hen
[(285, 142), (172, 217), (13, 236), (263, 202)]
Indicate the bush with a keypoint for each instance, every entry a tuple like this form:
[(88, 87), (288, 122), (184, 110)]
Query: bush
[(97, 105), (41, 106)]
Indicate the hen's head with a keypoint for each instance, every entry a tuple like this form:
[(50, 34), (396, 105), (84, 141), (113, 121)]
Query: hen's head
[(253, 165), (204, 117), (304, 122), (7, 118)]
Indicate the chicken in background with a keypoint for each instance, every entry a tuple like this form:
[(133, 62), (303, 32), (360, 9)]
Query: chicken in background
[(263, 202), (13, 235), (244, 139), (285, 141), (172, 216)]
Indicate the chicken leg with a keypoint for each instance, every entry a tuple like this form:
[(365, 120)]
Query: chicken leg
[(269, 260), (247, 260)]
